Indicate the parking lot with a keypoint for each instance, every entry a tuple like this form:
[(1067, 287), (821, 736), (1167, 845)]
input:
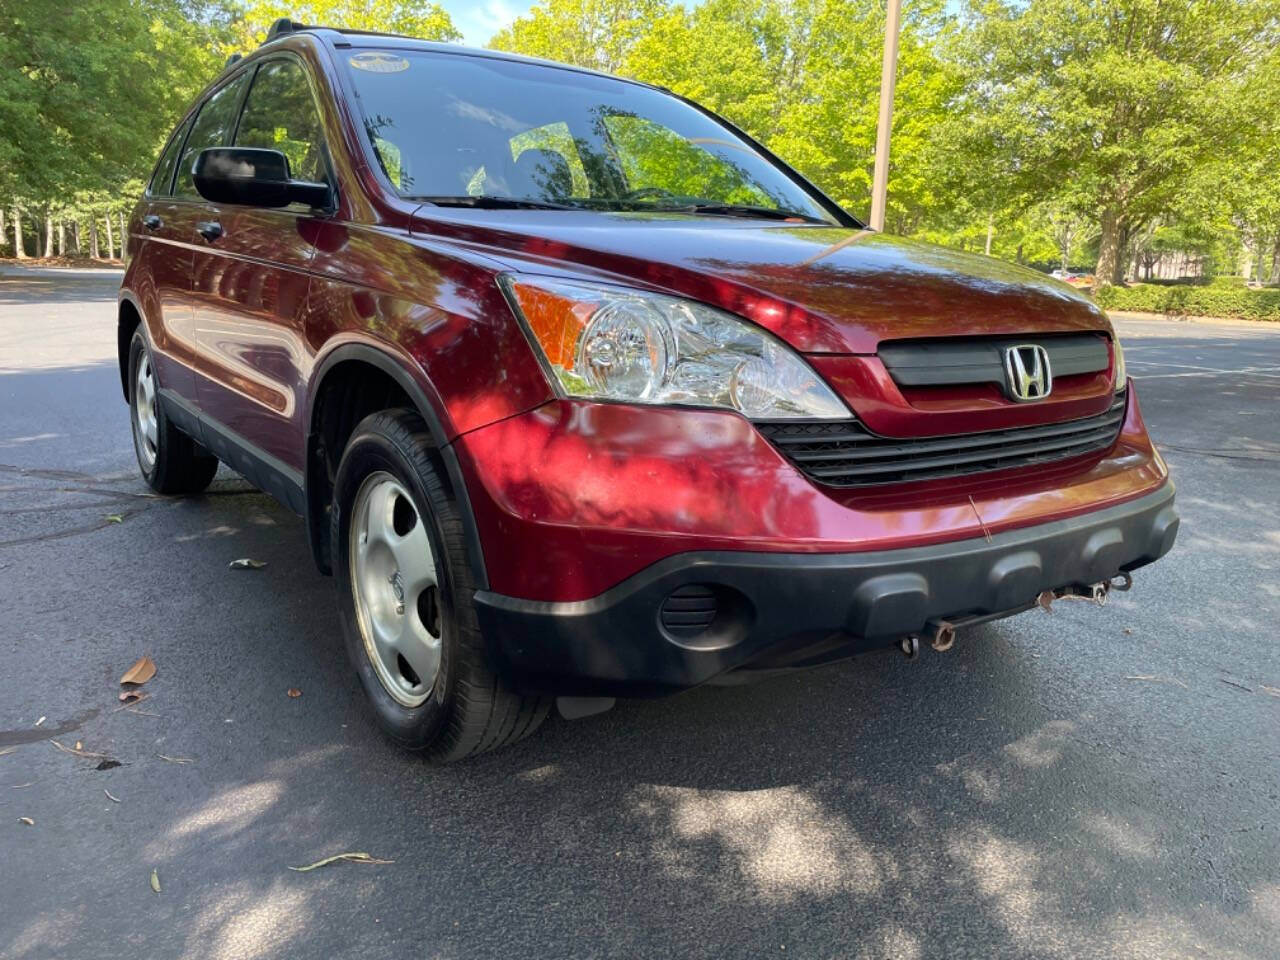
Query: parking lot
[(1086, 783)]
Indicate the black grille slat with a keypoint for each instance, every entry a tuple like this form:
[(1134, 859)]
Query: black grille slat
[(845, 454), (963, 459), (689, 610), (962, 360), (868, 453)]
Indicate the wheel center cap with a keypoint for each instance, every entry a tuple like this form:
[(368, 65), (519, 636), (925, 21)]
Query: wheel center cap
[(397, 587)]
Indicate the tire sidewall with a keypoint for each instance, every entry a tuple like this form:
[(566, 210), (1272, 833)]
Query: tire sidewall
[(138, 348), (369, 451)]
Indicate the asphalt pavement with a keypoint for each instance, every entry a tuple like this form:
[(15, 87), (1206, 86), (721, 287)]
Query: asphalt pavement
[(1086, 783)]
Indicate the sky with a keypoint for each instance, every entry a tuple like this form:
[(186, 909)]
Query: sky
[(480, 21)]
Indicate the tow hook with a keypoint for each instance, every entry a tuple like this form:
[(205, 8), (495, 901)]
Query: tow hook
[(910, 647), (943, 635), (1094, 593)]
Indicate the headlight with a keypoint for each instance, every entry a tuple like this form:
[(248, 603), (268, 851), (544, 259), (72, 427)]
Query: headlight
[(1122, 377), (614, 343)]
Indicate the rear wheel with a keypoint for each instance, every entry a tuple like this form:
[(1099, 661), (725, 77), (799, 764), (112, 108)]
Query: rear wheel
[(406, 597), (170, 461)]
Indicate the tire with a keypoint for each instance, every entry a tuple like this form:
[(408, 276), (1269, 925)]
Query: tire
[(170, 461), (392, 506)]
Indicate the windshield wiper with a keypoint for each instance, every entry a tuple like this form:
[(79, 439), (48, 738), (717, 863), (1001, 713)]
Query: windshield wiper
[(486, 202), (739, 210)]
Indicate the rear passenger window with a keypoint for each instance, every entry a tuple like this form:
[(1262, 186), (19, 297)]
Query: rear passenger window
[(280, 114), (162, 179), (212, 128)]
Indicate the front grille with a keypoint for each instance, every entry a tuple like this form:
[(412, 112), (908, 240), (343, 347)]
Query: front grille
[(963, 360), (843, 453)]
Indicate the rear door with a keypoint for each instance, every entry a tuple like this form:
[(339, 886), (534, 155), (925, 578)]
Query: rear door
[(162, 275), (181, 215), (250, 283)]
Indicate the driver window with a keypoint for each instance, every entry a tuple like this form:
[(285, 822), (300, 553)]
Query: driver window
[(280, 114)]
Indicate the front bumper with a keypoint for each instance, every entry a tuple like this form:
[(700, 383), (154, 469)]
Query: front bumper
[(637, 640)]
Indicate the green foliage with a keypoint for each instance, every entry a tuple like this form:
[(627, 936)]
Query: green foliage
[(416, 18), (1228, 299), (586, 33), (1051, 132)]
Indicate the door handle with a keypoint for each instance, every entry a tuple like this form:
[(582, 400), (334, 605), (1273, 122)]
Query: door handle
[(152, 222), (211, 230)]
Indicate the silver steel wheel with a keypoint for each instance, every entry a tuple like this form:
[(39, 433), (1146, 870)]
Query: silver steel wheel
[(393, 580), (146, 429)]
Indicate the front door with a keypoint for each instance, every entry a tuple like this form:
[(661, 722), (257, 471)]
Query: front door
[(250, 281)]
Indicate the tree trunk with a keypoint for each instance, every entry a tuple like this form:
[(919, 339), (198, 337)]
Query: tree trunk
[(1110, 260), (123, 235), (93, 238), (991, 229), (75, 237), (62, 237), (48, 235), (111, 240), (19, 250), (4, 237), (1274, 279)]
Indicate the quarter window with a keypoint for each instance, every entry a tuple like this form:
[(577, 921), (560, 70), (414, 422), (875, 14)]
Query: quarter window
[(212, 128), (280, 114)]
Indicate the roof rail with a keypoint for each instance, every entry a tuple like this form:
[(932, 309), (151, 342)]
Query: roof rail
[(281, 27)]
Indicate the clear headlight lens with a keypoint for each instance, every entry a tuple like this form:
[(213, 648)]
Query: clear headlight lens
[(1122, 376), (613, 343)]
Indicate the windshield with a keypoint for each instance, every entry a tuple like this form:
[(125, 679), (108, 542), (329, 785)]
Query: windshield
[(465, 128)]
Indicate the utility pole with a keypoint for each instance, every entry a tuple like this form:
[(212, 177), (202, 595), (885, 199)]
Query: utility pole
[(888, 77)]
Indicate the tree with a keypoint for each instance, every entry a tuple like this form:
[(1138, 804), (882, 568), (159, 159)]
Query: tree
[(1112, 105), (416, 18), (587, 33)]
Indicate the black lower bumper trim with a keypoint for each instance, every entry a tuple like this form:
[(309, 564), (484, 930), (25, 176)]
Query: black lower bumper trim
[(621, 644)]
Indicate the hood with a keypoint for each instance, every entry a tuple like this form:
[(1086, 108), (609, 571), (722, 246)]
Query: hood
[(822, 289)]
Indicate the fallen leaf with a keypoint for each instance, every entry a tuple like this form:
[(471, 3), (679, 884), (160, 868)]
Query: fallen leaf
[(109, 796), (1274, 691), (155, 881), (41, 720), (140, 672), (353, 857), (245, 563), (131, 696), (27, 820), (79, 745), (107, 765), (175, 759), (294, 692), (81, 753), (1045, 599), (114, 518)]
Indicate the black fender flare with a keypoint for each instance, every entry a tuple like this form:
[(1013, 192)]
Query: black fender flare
[(123, 297), (397, 370)]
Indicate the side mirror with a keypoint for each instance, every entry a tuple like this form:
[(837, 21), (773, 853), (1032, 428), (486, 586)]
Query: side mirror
[(255, 178)]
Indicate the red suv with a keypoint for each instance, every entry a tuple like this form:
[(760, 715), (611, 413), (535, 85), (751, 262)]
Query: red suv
[(583, 393)]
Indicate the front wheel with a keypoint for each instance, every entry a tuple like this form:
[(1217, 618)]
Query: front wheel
[(406, 597), (170, 461)]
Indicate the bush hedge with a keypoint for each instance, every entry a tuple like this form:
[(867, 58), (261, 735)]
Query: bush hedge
[(1216, 300)]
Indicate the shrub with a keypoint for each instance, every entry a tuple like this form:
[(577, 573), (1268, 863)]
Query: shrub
[(1215, 300)]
